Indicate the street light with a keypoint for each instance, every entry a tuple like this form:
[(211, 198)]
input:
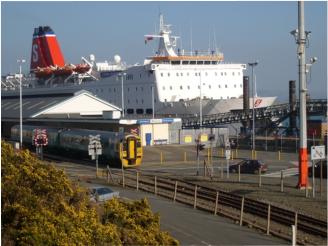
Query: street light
[(200, 102), (20, 61), (153, 101), (252, 65), (122, 75)]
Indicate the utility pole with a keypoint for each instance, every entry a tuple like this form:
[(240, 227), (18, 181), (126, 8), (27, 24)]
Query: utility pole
[(301, 38), (20, 103), (253, 64)]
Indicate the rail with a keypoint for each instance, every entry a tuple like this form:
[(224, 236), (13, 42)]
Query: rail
[(244, 210)]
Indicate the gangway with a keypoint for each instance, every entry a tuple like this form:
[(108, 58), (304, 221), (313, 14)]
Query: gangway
[(279, 111)]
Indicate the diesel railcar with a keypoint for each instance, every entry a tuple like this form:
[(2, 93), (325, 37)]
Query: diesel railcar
[(117, 148)]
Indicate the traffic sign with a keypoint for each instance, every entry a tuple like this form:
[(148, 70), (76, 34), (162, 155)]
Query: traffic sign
[(318, 152)]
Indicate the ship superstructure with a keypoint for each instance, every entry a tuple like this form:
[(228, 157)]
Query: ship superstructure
[(171, 75)]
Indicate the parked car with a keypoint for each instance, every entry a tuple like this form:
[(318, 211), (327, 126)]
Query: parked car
[(101, 194), (249, 166), (317, 170)]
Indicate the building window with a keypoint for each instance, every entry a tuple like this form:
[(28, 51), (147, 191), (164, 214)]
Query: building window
[(221, 74), (170, 87), (128, 101), (142, 101), (139, 111), (114, 90), (130, 110), (149, 111), (128, 88), (188, 87), (136, 88), (209, 86), (225, 74), (181, 88), (226, 86), (136, 101), (177, 74), (161, 74), (233, 73), (196, 74), (219, 86), (140, 76), (238, 73), (181, 74), (168, 74), (235, 86)]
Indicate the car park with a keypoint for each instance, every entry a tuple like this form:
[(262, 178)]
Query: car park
[(101, 194), (249, 166)]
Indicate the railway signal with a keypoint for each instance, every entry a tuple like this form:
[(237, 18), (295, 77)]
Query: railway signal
[(40, 140), (95, 149)]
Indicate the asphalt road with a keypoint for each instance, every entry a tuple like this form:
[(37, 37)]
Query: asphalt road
[(189, 226)]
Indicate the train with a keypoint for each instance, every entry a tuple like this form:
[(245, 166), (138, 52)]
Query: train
[(118, 148)]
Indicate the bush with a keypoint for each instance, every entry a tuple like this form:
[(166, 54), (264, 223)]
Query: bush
[(41, 206)]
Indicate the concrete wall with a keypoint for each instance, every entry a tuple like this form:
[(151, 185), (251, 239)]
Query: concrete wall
[(159, 134)]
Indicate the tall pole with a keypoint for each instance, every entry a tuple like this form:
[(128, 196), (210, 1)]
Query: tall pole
[(153, 101), (20, 103), (200, 102), (301, 40), (122, 75), (253, 107)]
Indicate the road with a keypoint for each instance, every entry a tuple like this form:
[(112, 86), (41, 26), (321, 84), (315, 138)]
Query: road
[(189, 226)]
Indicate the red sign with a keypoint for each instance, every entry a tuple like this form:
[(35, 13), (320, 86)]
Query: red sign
[(40, 137)]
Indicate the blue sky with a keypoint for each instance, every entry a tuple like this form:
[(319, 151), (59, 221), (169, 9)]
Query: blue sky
[(244, 31)]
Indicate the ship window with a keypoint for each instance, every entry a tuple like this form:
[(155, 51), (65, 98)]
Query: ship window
[(136, 101), (238, 73), (192, 62), (185, 62), (221, 74), (207, 62), (226, 86), (219, 86), (227, 97), (161, 74), (128, 88), (136, 88), (142, 101), (165, 100), (114, 90), (168, 74), (181, 74), (196, 74), (139, 111), (209, 86), (241, 86), (177, 74), (181, 88), (140, 75), (130, 110), (205, 73), (170, 87), (235, 86), (216, 74), (128, 101), (214, 62), (200, 62), (175, 62), (221, 97), (163, 88), (187, 74), (149, 111), (233, 73), (198, 87), (188, 87), (225, 73)]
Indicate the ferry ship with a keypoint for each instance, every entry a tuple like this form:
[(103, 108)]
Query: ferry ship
[(172, 81)]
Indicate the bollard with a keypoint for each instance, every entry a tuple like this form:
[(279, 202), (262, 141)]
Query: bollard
[(293, 235), (216, 203), (268, 218), (208, 155), (161, 157), (221, 169), (295, 227), (195, 197), (313, 180), (238, 173), (241, 211), (175, 191), (255, 154), (320, 178), (282, 181), (231, 155), (236, 153), (185, 156), (306, 190), (222, 155), (155, 186), (123, 179), (137, 180), (279, 157), (260, 177)]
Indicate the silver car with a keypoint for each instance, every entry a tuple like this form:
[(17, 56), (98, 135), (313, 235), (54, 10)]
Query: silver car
[(101, 194)]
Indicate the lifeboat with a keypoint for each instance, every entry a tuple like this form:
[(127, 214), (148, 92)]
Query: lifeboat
[(64, 71), (43, 72), (82, 68)]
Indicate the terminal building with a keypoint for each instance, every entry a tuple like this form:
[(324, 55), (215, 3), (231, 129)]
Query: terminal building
[(81, 109)]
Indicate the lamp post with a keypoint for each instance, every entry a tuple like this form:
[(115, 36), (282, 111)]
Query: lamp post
[(200, 102), (153, 101), (122, 77), (301, 38), (252, 65), (20, 61)]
